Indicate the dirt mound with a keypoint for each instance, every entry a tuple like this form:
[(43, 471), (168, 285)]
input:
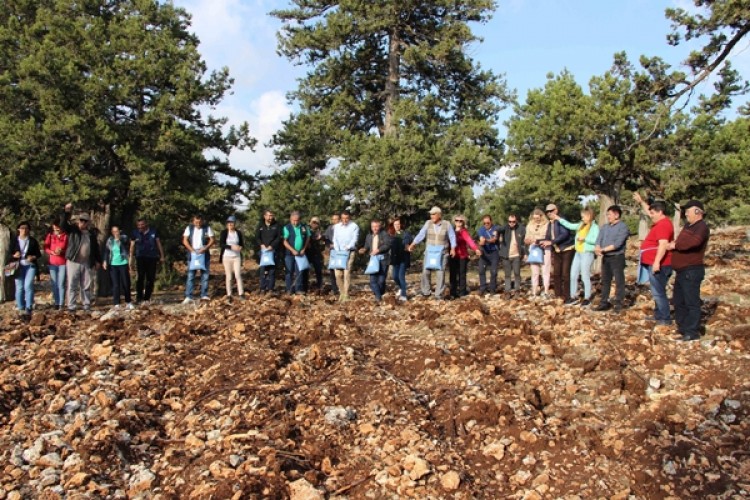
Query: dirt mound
[(304, 397)]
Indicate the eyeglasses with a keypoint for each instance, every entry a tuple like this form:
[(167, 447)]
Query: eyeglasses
[(459, 221)]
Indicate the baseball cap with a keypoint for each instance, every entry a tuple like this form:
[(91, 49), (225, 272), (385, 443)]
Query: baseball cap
[(550, 207), (435, 210), (84, 216), (231, 218), (694, 203)]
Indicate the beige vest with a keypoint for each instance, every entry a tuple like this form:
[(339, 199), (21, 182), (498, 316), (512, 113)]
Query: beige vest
[(439, 237)]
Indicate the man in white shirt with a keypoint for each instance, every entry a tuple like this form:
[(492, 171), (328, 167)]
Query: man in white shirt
[(345, 237), (198, 238)]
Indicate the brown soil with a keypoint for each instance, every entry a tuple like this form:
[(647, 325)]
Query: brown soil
[(278, 397)]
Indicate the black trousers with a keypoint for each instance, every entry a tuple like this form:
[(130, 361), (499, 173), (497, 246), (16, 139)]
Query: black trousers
[(458, 269), (120, 276), (561, 262), (613, 266), (687, 300), (144, 283)]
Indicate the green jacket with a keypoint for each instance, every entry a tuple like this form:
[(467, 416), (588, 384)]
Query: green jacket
[(590, 242)]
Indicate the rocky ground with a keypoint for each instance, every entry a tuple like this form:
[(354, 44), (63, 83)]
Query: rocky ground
[(306, 398)]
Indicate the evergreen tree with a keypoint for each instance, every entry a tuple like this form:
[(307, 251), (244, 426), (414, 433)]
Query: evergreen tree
[(393, 107), (100, 104)]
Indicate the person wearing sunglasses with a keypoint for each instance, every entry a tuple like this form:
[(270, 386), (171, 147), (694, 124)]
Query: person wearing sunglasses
[(459, 263)]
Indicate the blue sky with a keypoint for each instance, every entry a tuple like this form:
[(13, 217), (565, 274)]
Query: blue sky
[(525, 40)]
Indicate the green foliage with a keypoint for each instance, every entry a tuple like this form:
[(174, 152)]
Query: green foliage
[(740, 215), (393, 105), (99, 105)]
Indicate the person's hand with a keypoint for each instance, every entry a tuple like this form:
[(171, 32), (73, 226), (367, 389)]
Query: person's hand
[(598, 250), (670, 245), (374, 251), (68, 207), (453, 252), (17, 255), (482, 240), (581, 239), (656, 267), (410, 248), (362, 251), (30, 258), (479, 252), (637, 197), (104, 266)]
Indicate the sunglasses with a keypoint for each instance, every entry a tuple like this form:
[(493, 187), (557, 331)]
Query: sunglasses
[(459, 221)]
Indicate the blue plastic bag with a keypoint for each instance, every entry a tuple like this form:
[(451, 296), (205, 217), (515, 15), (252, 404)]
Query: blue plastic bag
[(338, 259), (197, 262), (302, 263), (373, 266), (536, 255), (267, 258), (433, 257)]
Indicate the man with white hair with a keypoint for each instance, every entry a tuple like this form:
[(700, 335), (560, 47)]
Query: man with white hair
[(441, 243)]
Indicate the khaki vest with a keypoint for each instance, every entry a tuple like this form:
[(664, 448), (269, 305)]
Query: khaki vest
[(440, 237)]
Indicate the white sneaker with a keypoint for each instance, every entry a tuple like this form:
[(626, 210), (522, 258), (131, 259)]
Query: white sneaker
[(129, 306), (116, 308), (206, 298), (187, 301), (402, 298)]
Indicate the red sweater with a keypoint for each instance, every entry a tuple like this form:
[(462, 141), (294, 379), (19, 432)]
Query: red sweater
[(51, 243), (463, 239), (690, 246)]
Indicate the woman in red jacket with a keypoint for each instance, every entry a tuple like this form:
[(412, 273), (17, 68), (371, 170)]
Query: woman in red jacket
[(460, 262), (55, 245)]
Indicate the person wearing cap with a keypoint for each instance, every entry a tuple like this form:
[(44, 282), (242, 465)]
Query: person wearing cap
[(198, 238), (459, 262), (657, 258), (689, 250), (231, 243), (512, 251), (82, 257), (488, 235), (345, 238), (610, 245), (315, 256), (296, 239), (536, 232), (436, 232), (268, 235), (146, 252), (561, 241)]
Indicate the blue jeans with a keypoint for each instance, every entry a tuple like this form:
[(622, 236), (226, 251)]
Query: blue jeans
[(25, 288), (293, 277), (581, 267), (399, 277), (658, 284), (204, 280), (267, 278), (377, 281), (57, 277)]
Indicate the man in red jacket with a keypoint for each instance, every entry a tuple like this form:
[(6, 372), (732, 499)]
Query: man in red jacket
[(689, 250)]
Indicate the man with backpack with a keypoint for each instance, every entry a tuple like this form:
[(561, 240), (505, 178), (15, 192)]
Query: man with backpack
[(198, 238)]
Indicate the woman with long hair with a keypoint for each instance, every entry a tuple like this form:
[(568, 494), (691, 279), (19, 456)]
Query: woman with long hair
[(55, 245), (536, 231), (586, 233), (25, 251), (400, 257)]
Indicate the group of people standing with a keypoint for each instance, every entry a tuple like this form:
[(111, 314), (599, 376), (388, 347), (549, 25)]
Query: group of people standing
[(74, 255), (558, 251)]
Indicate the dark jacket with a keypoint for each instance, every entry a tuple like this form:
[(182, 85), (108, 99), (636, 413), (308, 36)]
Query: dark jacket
[(124, 248), (74, 241), (384, 245), (33, 249), (269, 236), (564, 238), (506, 233), (223, 241), (398, 248), (690, 246)]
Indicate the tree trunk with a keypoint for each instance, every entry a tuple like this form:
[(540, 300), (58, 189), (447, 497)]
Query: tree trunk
[(605, 201), (391, 84), (6, 286)]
